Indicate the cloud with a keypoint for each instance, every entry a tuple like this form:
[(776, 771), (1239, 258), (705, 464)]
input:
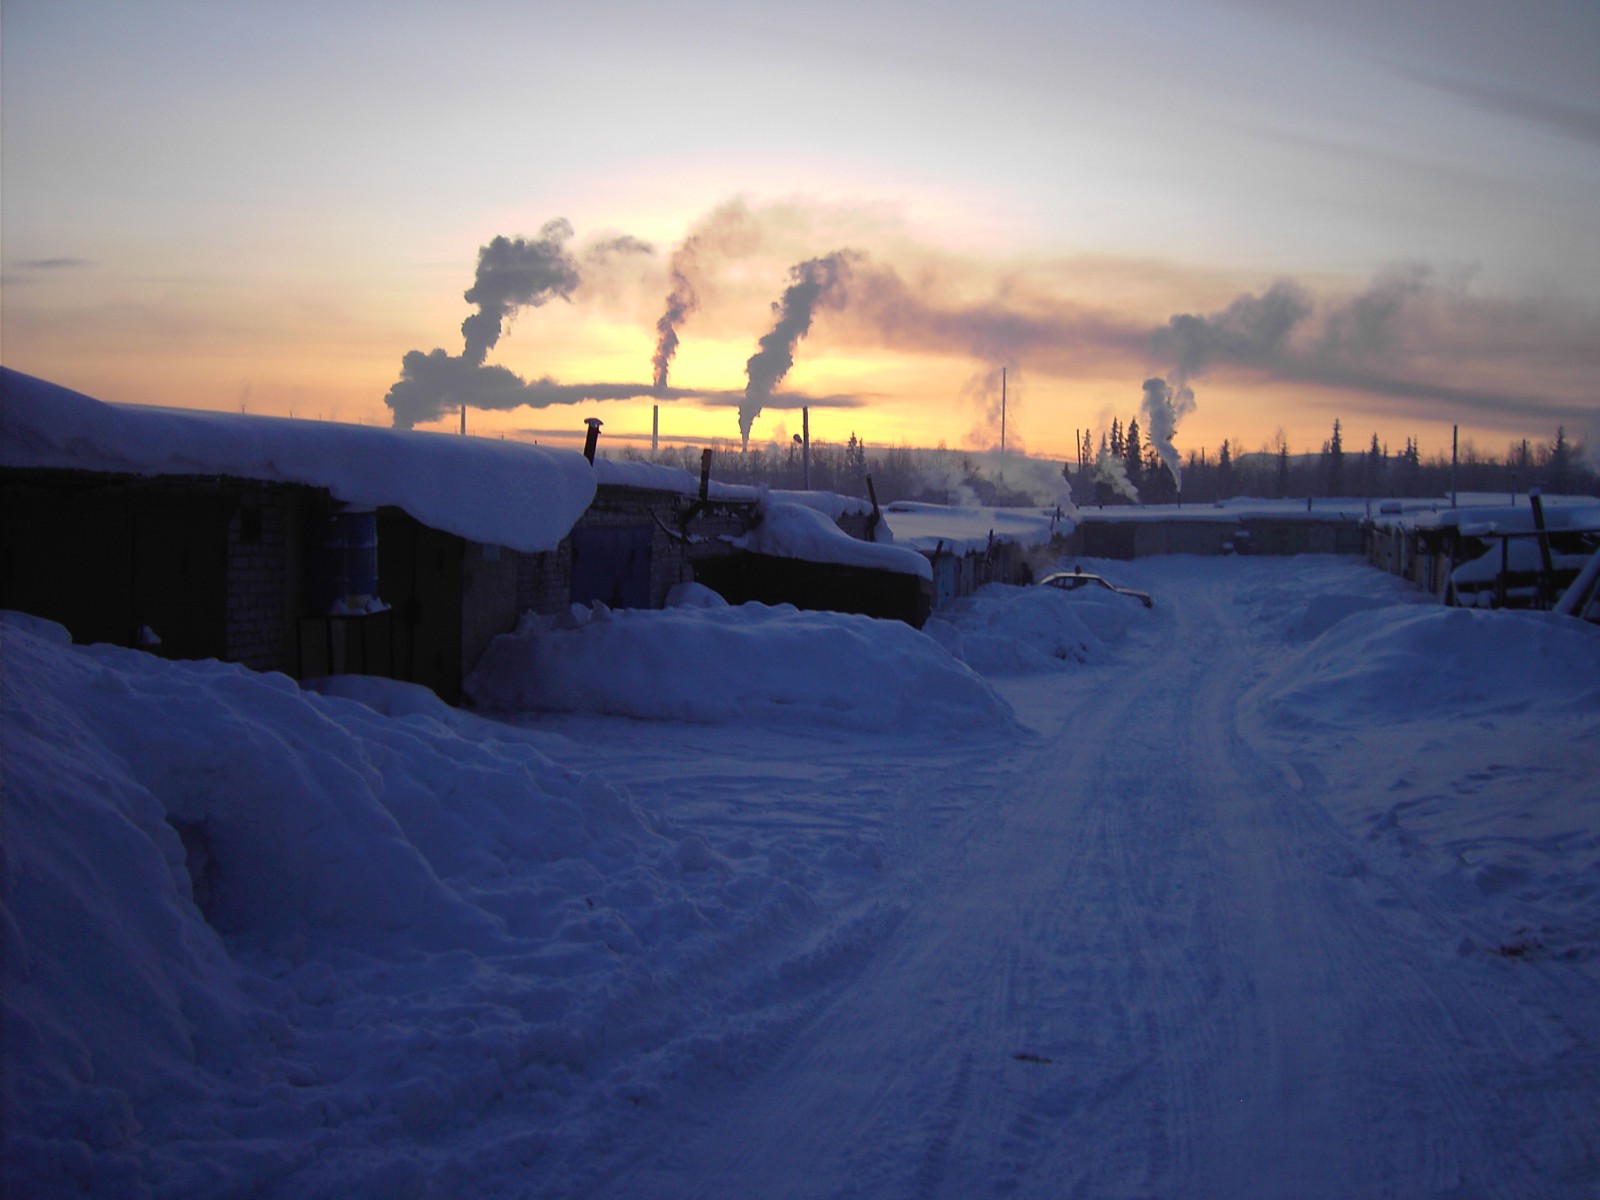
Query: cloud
[(1579, 122), (1406, 337)]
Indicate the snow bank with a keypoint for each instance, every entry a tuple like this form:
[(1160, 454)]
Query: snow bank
[(742, 664), (1397, 664), (1477, 739), (251, 932), (1003, 629), (499, 493), (800, 531)]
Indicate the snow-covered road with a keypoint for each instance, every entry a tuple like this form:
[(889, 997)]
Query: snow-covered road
[(1289, 887), (1143, 959)]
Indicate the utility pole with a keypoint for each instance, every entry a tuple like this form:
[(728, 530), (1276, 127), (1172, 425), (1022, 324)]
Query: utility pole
[(1002, 410), (805, 444)]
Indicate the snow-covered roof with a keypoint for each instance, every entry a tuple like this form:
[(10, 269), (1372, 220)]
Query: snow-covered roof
[(924, 527), (652, 477), (1560, 512), (790, 530), (499, 493)]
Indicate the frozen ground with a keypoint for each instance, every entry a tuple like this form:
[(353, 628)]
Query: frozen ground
[(1287, 887)]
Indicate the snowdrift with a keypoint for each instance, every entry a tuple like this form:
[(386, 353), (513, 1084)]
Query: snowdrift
[(1003, 629), (249, 928), (750, 663), (1479, 747), (1398, 664)]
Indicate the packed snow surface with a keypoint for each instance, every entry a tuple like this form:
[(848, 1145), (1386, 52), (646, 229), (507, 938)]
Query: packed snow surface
[(499, 493), (1286, 887)]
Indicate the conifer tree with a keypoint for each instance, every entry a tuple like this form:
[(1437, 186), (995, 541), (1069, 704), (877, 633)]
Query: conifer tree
[(1225, 472), (1333, 462), (1559, 469), (1133, 453)]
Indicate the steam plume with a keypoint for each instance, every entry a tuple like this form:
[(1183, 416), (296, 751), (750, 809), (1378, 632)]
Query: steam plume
[(813, 282), (1113, 472), (681, 301), (730, 229), (1163, 405), (1252, 331), (514, 273)]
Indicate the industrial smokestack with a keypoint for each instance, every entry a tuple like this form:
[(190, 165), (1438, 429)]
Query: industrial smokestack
[(592, 439)]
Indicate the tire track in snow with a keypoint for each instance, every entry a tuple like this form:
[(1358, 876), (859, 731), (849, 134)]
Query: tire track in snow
[(1144, 961)]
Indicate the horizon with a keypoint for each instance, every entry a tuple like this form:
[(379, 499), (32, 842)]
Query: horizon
[(1283, 217)]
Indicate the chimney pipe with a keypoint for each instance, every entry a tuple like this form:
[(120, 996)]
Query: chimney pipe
[(655, 428), (592, 439), (705, 473)]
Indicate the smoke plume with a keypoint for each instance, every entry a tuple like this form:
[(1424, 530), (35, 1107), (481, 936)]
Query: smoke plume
[(681, 301), (1253, 330), (728, 230), (1113, 472), (1163, 405), (817, 281), (514, 273)]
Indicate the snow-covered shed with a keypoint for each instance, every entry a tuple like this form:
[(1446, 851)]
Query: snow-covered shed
[(651, 527), (1487, 552), (301, 546), (969, 547), (799, 552)]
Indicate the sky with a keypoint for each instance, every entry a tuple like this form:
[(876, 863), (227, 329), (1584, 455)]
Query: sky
[(1287, 213)]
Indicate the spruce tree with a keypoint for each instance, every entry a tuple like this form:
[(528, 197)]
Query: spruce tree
[(1133, 453), (1559, 469), (1333, 462)]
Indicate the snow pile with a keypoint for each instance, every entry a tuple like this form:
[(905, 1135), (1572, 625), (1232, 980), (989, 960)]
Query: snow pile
[(742, 664), (800, 531), (1395, 664), (1002, 629), (499, 493), (1478, 737), (252, 932)]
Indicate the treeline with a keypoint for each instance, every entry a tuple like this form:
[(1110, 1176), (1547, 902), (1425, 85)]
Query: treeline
[(1123, 471), (938, 476)]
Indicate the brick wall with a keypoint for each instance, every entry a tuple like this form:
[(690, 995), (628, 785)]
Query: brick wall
[(263, 575)]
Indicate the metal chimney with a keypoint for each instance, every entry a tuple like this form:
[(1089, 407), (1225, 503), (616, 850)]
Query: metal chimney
[(593, 437)]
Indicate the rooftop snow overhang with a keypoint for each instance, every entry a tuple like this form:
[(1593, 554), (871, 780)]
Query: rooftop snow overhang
[(498, 493)]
